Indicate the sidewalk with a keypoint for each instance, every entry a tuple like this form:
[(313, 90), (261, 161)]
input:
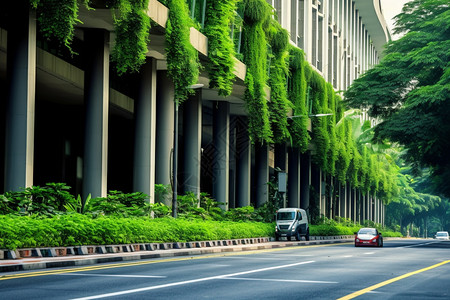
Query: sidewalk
[(152, 251)]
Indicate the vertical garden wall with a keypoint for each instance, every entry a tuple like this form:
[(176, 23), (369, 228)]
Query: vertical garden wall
[(271, 63)]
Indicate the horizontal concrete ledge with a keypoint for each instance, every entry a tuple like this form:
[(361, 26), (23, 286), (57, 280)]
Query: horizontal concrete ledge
[(137, 247)]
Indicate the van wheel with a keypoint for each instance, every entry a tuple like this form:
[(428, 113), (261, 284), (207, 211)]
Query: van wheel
[(288, 238), (277, 238), (307, 235)]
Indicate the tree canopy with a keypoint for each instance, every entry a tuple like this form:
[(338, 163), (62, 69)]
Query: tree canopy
[(409, 91)]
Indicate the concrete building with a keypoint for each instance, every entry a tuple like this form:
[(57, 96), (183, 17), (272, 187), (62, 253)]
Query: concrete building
[(71, 118)]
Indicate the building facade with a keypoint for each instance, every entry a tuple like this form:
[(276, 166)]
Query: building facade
[(70, 118)]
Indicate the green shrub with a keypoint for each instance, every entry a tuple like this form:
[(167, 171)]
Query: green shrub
[(77, 229), (47, 200)]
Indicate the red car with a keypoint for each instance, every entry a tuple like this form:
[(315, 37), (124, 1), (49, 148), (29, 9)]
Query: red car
[(368, 237)]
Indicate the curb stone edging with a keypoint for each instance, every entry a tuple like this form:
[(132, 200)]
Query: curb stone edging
[(127, 248), (147, 251)]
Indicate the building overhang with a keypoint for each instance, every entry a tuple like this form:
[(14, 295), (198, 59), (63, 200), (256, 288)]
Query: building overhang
[(373, 19)]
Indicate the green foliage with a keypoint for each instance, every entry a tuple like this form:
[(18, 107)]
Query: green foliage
[(117, 203), (182, 59), (297, 92), (254, 50), (331, 129), (409, 89), (279, 104), (36, 200), (240, 214), (327, 230), (79, 205), (163, 193), (320, 137), (77, 229), (219, 16), (57, 18), (132, 26)]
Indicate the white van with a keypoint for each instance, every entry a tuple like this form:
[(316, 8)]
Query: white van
[(291, 222), (441, 235)]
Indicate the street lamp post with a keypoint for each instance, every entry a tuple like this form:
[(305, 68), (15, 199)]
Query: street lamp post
[(175, 153)]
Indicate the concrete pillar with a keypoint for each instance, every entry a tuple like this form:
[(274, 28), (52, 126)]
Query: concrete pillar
[(280, 163), (145, 132), (221, 135), (20, 107), (294, 178), (261, 173), (192, 135), (280, 156), (364, 207), (96, 98), (243, 163), (323, 199), (315, 183), (344, 201), (232, 164), (305, 180), (164, 131)]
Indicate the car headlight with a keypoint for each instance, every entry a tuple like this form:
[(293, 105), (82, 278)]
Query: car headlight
[(293, 229), (357, 240)]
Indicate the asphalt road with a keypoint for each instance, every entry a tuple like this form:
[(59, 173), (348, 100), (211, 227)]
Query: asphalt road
[(402, 269)]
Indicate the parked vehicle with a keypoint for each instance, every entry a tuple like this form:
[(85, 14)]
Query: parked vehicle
[(291, 222), (368, 237), (441, 235)]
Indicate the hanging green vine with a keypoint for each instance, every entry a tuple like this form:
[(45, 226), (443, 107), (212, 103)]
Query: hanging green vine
[(319, 123), (182, 58), (132, 26), (256, 12), (297, 91), (279, 104), (57, 18), (331, 129), (219, 16)]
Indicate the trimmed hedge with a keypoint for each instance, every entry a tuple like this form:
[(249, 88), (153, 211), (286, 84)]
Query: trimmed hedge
[(76, 229), (330, 230)]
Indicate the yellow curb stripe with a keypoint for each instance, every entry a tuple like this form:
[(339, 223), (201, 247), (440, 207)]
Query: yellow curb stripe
[(124, 264), (376, 286)]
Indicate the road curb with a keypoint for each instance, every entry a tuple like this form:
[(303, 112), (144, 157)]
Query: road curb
[(84, 255)]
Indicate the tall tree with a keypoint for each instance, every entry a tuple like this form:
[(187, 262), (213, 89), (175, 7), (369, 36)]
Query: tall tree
[(410, 89)]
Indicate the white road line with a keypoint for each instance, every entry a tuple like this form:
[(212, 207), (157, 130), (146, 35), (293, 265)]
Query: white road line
[(256, 258), (289, 255), (109, 275), (280, 280), (423, 244), (189, 281), (368, 253), (348, 256)]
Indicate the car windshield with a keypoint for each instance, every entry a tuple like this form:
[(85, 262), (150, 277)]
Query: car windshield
[(285, 215), (442, 234), (367, 231)]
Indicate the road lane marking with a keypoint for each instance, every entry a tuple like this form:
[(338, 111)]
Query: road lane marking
[(280, 280), (381, 284), (416, 245), (109, 275), (368, 253), (162, 260), (189, 281)]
